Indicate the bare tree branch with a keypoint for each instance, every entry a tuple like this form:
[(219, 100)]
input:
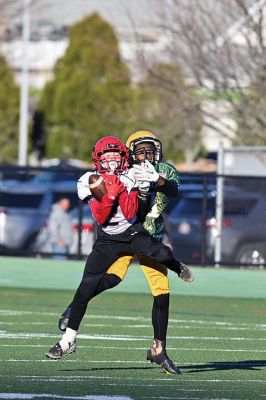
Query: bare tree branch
[(221, 47)]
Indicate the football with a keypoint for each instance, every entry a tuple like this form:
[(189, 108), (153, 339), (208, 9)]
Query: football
[(97, 186)]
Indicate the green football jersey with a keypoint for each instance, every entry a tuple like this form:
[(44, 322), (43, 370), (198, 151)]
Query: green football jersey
[(154, 222)]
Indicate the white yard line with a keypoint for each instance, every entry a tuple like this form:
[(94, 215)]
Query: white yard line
[(29, 396), (25, 335), (256, 328), (94, 377), (75, 360), (141, 348), (57, 396), (209, 364), (4, 312)]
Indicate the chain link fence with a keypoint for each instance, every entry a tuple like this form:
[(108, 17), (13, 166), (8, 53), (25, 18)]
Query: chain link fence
[(207, 225), (219, 220)]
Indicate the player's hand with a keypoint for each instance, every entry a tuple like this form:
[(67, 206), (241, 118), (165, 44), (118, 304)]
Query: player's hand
[(144, 188), (143, 185), (114, 186), (145, 172)]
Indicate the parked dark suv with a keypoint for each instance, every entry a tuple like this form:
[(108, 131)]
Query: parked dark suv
[(24, 210), (192, 227)]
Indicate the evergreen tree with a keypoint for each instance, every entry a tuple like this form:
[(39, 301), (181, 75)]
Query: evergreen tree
[(9, 114), (90, 95)]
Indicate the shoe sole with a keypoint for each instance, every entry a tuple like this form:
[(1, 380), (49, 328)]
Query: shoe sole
[(165, 370), (171, 373), (52, 357)]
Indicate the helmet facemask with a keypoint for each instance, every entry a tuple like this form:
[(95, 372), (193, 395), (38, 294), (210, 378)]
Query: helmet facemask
[(110, 155), (146, 150), (113, 164)]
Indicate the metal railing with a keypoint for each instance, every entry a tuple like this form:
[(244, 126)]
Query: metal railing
[(195, 221)]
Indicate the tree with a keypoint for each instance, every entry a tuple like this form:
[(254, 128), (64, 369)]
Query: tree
[(90, 95), (250, 113), (170, 108), (220, 45), (9, 114)]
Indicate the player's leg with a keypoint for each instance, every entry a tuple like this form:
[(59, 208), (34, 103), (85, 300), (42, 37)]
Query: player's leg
[(146, 245), (159, 285), (111, 278), (102, 256), (107, 282)]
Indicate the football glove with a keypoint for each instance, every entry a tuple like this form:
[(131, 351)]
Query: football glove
[(114, 186), (145, 172)]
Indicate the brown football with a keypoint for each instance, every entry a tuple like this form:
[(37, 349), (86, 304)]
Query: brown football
[(97, 186)]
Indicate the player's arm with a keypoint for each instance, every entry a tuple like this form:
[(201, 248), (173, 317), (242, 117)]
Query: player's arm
[(129, 203), (167, 186), (102, 209), (144, 206), (116, 190), (169, 183)]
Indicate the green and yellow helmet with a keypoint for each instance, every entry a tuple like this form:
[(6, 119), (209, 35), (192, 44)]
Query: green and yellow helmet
[(140, 137)]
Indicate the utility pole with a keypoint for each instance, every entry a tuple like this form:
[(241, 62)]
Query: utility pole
[(24, 90)]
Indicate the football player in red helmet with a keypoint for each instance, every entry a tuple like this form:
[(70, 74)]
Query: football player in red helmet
[(109, 154), (119, 234)]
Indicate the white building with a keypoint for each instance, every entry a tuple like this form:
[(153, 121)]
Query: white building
[(51, 18), (49, 22)]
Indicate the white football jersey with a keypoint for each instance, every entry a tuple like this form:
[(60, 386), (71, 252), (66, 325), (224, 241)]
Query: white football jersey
[(118, 223)]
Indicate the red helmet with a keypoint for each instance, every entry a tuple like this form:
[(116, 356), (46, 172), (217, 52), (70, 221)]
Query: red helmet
[(109, 144)]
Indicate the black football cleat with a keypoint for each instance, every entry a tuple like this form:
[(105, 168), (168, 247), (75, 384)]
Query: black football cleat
[(164, 361), (56, 352), (185, 273), (63, 320)]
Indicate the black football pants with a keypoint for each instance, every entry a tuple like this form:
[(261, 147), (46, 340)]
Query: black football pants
[(106, 250)]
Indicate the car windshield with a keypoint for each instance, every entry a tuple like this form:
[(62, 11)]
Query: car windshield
[(20, 200)]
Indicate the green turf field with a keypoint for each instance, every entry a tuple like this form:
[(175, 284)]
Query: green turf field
[(216, 335)]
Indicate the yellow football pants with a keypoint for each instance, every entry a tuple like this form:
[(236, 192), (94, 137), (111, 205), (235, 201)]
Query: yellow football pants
[(156, 273)]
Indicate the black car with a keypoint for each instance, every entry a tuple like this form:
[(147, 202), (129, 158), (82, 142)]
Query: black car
[(192, 227)]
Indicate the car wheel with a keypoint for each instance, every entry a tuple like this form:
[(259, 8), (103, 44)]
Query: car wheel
[(253, 254)]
